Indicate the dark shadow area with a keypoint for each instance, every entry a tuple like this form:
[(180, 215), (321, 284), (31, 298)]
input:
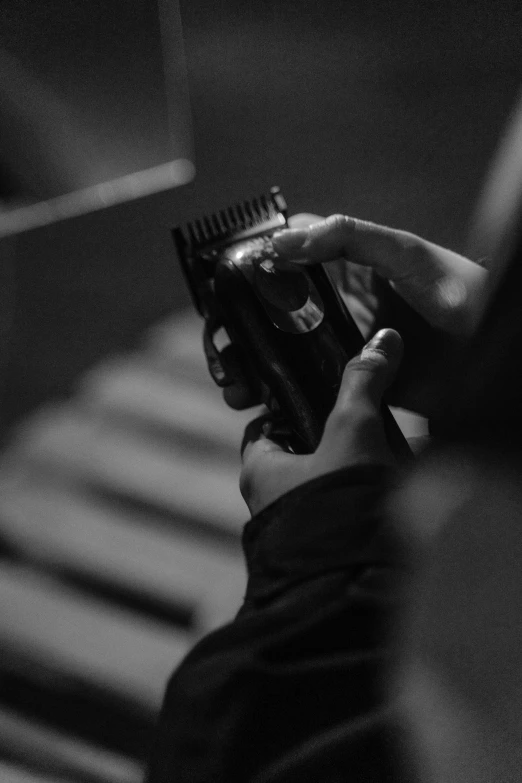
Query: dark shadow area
[(390, 112)]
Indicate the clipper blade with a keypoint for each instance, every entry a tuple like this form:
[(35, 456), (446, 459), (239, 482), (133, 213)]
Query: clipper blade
[(261, 215), (199, 244)]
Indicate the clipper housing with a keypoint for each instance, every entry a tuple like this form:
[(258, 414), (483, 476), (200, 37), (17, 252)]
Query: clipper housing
[(288, 327)]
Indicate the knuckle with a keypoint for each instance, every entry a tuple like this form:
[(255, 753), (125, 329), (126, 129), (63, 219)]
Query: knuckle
[(413, 254), (363, 373), (372, 360), (414, 257), (339, 223), (353, 413)]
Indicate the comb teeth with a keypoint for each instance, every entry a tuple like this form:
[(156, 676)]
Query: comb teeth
[(253, 217), (200, 231), (224, 220)]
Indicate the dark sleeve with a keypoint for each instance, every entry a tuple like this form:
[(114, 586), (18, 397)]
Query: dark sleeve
[(292, 689)]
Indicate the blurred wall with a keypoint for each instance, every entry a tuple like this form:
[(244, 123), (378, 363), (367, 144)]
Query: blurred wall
[(388, 111)]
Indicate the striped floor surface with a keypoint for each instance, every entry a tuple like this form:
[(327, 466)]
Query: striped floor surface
[(120, 521)]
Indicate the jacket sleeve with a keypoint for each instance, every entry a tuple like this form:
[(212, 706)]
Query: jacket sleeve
[(293, 688)]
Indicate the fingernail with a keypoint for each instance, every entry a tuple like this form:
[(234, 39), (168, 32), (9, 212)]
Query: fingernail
[(290, 239), (386, 341)]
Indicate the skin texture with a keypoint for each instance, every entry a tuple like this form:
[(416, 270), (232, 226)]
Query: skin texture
[(353, 435), (439, 284), (442, 286)]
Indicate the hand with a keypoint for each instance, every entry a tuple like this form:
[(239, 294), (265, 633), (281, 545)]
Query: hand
[(442, 286), (435, 301), (353, 434)]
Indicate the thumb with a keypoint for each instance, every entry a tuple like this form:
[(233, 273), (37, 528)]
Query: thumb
[(355, 431), (368, 375)]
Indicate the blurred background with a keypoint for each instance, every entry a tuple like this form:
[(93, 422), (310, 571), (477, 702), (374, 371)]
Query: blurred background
[(119, 510)]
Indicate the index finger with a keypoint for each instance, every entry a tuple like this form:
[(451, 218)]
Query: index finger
[(393, 253), (438, 283)]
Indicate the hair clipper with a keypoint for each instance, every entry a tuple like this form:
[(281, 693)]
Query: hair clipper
[(290, 326)]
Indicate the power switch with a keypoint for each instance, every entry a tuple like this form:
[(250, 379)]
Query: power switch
[(286, 289)]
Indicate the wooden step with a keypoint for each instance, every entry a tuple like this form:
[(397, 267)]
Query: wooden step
[(176, 345), (129, 387), (54, 525), (43, 692), (44, 752), (87, 638), (133, 486), (69, 441), (9, 773)]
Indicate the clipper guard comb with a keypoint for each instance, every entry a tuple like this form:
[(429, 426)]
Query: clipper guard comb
[(290, 326)]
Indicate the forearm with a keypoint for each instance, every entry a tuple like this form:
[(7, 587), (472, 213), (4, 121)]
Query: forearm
[(306, 652)]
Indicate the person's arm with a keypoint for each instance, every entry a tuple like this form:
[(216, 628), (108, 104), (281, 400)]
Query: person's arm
[(295, 682), (296, 677)]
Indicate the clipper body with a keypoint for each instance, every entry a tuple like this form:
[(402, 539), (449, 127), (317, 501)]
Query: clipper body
[(290, 326)]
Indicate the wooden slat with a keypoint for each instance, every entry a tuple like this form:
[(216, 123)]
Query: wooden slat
[(176, 345), (65, 758), (52, 524), (43, 692), (131, 386), (169, 477), (52, 517), (9, 773), (87, 638)]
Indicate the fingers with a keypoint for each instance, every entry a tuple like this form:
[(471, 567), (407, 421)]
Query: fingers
[(354, 430), (390, 252), (354, 433), (240, 394), (368, 375), (436, 282), (266, 473), (304, 219)]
